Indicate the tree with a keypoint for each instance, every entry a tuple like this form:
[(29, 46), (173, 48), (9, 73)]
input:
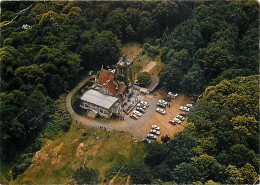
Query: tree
[(130, 34), (165, 139), (105, 48), (143, 78), (85, 175), (155, 151), (170, 77), (29, 74), (139, 172), (185, 173), (193, 81), (116, 22)]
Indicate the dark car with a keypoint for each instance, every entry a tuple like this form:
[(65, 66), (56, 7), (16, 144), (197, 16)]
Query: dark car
[(167, 99), (172, 122), (140, 109), (192, 101), (161, 105), (145, 140), (183, 114)]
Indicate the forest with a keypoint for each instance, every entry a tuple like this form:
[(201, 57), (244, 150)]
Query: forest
[(208, 48)]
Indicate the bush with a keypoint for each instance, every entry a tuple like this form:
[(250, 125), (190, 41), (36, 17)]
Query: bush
[(143, 78), (111, 172), (85, 175), (22, 164), (35, 146), (153, 51), (146, 46)]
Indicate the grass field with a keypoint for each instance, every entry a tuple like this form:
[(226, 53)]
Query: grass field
[(59, 158), (133, 51)]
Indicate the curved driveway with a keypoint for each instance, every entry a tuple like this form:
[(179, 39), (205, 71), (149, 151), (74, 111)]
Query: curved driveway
[(109, 124), (138, 128)]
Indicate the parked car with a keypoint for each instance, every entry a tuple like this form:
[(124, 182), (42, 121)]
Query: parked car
[(145, 103), (192, 101), (161, 111), (137, 113), (152, 136), (189, 106), (155, 127), (145, 140), (180, 117), (140, 109), (177, 120), (184, 108), (141, 105), (172, 122), (183, 114), (133, 116), (152, 131), (174, 95), (170, 96), (168, 99), (161, 105), (162, 102)]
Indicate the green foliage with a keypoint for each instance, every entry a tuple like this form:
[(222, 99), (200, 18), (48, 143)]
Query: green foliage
[(152, 51), (85, 175), (139, 172), (113, 170), (21, 165), (219, 144), (143, 78), (60, 119), (219, 41)]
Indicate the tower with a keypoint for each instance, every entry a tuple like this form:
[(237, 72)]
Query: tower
[(124, 73)]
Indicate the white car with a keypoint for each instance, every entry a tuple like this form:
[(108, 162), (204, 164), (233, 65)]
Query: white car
[(145, 103), (161, 111), (155, 127), (177, 120), (154, 132), (180, 117), (141, 105), (162, 102), (184, 108), (172, 94), (152, 136), (137, 113), (140, 109)]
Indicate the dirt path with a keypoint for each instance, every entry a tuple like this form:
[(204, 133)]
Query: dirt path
[(149, 67)]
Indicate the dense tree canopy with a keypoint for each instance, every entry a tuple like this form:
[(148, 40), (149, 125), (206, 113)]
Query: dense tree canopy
[(220, 141), (219, 37), (47, 46)]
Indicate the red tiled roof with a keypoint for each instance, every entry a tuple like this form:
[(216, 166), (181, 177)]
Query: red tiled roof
[(104, 76), (112, 84)]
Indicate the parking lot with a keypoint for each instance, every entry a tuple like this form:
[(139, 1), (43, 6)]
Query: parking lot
[(141, 127)]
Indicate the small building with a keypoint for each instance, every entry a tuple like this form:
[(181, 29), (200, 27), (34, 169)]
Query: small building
[(144, 90), (104, 104)]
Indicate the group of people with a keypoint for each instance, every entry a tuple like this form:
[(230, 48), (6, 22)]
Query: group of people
[(100, 127)]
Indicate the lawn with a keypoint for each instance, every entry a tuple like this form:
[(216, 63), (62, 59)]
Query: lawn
[(59, 158)]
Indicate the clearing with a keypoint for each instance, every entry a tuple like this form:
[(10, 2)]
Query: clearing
[(58, 159), (141, 62)]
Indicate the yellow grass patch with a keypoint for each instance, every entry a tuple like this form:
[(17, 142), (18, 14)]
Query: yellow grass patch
[(56, 162)]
